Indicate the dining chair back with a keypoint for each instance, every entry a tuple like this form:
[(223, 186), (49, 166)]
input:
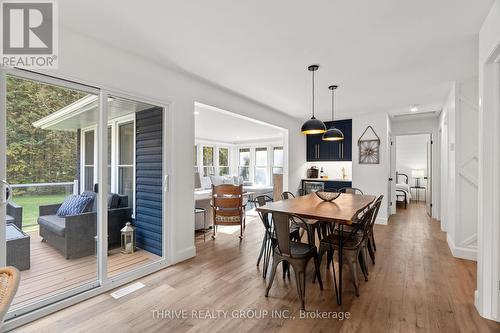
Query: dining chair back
[(371, 247), (287, 195), (351, 190), (267, 241), (297, 254), (228, 207)]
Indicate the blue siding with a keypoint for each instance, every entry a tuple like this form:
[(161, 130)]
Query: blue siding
[(148, 159)]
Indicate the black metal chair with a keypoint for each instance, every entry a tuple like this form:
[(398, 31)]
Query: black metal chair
[(352, 247), (371, 247), (351, 190), (297, 254), (269, 242)]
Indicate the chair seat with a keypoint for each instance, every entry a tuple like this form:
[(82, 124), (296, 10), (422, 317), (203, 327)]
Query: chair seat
[(54, 223), (299, 250), (350, 241), (227, 219)]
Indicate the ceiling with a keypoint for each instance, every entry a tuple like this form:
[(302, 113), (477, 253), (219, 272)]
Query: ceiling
[(385, 55), (221, 126)]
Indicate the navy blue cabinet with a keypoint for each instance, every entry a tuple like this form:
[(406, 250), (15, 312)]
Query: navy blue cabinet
[(319, 150)]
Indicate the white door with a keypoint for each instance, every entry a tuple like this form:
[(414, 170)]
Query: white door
[(391, 185), (428, 178)]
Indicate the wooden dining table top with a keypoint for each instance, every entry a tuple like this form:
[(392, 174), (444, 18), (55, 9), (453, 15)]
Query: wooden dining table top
[(343, 210)]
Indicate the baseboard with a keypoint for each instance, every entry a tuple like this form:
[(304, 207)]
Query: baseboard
[(184, 254), (461, 252), (381, 220)]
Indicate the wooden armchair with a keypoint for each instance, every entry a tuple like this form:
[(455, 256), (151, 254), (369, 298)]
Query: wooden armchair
[(228, 207)]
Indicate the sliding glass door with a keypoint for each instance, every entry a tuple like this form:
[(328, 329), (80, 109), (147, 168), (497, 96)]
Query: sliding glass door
[(82, 187), (50, 217)]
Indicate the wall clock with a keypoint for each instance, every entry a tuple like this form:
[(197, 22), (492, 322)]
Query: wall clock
[(369, 152)]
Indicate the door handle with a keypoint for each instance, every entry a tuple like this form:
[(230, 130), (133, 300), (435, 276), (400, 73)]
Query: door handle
[(7, 195), (390, 179)]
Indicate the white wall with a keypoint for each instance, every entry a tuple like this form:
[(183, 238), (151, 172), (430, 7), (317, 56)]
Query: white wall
[(411, 154), (488, 261), (458, 120), (371, 178), (86, 60)]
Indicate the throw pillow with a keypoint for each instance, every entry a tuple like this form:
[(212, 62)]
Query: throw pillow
[(73, 205)]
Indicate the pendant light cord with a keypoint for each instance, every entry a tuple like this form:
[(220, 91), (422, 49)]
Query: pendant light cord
[(313, 93), (333, 104)]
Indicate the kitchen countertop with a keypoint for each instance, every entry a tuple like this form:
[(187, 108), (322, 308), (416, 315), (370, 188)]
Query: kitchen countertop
[(328, 179)]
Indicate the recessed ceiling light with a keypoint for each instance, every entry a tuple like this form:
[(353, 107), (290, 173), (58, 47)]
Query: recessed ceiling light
[(414, 108), (196, 113)]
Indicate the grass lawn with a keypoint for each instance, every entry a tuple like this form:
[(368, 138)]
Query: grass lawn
[(30, 204)]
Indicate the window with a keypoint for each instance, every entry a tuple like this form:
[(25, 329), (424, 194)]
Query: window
[(278, 160), (88, 165), (244, 166), (223, 161), (109, 157), (126, 161), (260, 166), (208, 161)]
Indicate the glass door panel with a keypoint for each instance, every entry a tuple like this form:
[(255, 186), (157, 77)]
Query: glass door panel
[(51, 220), (136, 190)]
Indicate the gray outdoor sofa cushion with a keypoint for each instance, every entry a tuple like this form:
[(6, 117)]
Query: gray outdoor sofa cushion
[(54, 223)]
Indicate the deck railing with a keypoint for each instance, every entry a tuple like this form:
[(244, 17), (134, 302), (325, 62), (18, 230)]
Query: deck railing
[(31, 196)]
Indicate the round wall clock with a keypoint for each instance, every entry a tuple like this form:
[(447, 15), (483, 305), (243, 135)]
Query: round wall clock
[(369, 152)]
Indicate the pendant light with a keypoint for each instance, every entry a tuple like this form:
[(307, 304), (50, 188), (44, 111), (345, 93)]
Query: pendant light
[(313, 125), (333, 133)]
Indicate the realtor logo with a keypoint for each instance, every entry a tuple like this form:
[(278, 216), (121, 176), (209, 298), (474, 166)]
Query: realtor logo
[(29, 34)]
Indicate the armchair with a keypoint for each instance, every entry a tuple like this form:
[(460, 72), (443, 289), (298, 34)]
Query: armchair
[(15, 215), (74, 235)]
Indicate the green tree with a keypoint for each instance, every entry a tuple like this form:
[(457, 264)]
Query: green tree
[(35, 155)]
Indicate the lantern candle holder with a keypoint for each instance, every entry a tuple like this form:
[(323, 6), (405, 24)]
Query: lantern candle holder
[(128, 238)]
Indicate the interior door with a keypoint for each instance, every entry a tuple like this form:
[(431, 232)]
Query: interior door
[(428, 178), (391, 185)]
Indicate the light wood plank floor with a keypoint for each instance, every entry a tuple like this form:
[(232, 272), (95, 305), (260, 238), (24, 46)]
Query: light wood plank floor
[(51, 273), (415, 286)]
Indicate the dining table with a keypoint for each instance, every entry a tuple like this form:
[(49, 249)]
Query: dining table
[(343, 210)]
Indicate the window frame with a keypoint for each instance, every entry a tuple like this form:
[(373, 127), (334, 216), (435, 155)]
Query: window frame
[(258, 166), (112, 124)]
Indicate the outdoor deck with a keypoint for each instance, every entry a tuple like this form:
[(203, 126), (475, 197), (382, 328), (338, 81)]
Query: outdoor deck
[(51, 273)]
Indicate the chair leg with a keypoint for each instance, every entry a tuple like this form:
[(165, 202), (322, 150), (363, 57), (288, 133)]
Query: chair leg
[(262, 247), (373, 242), (300, 277), (362, 262), (242, 226), (273, 273), (351, 260), (318, 273), (370, 250), (214, 231)]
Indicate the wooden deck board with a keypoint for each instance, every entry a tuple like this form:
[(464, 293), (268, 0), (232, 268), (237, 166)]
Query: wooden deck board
[(51, 273)]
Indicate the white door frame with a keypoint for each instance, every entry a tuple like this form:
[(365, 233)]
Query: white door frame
[(104, 283), (487, 296)]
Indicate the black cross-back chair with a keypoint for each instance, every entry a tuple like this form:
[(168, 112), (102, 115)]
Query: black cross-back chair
[(353, 250), (297, 254), (351, 190)]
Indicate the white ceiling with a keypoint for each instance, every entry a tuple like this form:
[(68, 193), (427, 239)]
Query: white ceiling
[(385, 55), (222, 126)]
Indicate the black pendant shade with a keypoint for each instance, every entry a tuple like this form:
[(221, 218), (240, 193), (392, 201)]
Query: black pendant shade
[(313, 125), (333, 133)]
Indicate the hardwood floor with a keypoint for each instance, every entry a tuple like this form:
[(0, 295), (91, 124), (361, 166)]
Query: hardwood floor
[(50, 273), (415, 286)]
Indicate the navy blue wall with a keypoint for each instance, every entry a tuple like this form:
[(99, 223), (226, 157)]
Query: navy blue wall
[(148, 173)]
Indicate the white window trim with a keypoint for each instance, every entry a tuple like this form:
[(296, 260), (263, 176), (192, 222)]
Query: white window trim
[(216, 146), (114, 124), (255, 166)]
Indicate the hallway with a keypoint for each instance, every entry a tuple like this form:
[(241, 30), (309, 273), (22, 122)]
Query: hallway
[(415, 285)]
